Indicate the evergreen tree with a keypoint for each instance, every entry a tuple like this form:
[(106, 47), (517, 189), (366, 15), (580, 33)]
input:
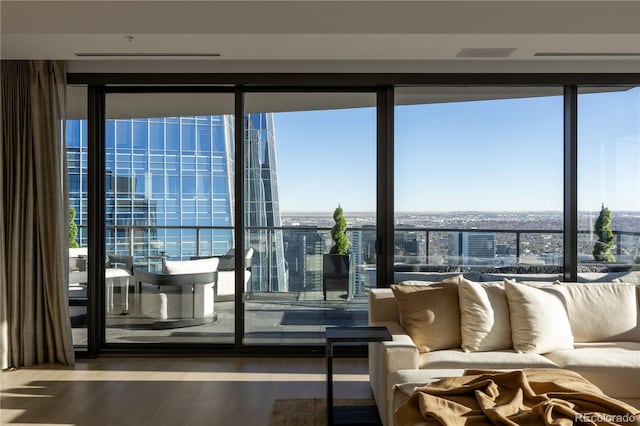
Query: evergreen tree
[(339, 233), (602, 229), (73, 229)]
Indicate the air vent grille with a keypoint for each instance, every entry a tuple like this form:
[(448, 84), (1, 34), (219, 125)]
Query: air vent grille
[(572, 54), (145, 55), (486, 52)]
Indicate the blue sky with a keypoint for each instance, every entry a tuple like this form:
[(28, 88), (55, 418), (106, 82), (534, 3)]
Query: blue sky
[(500, 155)]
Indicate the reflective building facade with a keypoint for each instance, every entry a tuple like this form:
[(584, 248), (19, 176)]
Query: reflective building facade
[(169, 188)]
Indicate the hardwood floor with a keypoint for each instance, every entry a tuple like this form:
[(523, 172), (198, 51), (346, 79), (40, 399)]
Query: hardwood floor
[(170, 391)]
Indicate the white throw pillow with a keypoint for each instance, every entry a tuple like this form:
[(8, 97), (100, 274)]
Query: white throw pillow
[(539, 320), (191, 266), (484, 317)]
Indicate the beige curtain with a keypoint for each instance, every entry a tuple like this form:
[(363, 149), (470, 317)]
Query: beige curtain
[(34, 318)]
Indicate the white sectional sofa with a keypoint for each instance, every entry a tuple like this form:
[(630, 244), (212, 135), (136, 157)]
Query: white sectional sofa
[(590, 328)]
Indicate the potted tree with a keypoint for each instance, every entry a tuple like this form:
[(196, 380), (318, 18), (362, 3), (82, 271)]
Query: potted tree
[(602, 229), (336, 265), (73, 229)]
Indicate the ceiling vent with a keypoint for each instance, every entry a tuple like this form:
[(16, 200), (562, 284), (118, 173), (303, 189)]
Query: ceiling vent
[(573, 54), (486, 52), (144, 55)]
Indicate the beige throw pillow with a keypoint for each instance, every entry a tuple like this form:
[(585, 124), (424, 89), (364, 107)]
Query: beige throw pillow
[(430, 314), (539, 320), (603, 312), (484, 317)]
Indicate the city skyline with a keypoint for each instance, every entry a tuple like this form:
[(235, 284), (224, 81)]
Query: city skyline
[(301, 165)]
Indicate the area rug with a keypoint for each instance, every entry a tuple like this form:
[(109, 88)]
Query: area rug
[(306, 412)]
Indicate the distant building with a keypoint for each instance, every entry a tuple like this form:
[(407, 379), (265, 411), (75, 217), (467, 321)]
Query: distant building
[(262, 205), (363, 252), (303, 254), (407, 247), (471, 247), (169, 189)]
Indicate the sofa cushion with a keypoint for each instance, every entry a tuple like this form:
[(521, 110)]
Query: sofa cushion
[(612, 366), (508, 359), (430, 314), (191, 266), (539, 320), (382, 305), (603, 312), (484, 316)]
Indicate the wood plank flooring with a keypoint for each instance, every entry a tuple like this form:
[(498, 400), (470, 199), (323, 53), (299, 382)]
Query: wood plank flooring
[(170, 391)]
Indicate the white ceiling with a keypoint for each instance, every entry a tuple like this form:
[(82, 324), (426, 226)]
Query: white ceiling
[(325, 36)]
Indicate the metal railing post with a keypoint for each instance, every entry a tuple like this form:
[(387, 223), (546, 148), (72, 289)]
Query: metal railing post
[(518, 245), (426, 246), (269, 258)]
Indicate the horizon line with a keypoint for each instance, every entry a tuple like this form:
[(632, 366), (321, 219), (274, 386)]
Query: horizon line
[(330, 213)]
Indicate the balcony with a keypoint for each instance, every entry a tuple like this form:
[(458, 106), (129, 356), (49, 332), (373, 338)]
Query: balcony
[(283, 301)]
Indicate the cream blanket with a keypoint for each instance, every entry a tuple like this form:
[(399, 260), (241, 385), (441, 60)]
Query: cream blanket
[(523, 397)]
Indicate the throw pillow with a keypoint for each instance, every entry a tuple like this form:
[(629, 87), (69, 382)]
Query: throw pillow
[(430, 314), (484, 317), (603, 312), (539, 319)]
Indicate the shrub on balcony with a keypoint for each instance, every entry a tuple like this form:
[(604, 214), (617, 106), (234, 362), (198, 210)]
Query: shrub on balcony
[(339, 233), (602, 229), (73, 229)]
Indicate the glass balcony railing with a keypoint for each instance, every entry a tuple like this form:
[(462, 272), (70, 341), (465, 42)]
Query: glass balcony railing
[(289, 259)]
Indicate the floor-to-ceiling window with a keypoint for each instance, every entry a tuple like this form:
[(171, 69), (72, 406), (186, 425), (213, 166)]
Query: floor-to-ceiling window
[(479, 188), (478, 181), (168, 198), (306, 154), (608, 181)]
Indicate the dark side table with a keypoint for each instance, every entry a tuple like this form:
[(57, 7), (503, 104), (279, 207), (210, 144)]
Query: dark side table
[(352, 415)]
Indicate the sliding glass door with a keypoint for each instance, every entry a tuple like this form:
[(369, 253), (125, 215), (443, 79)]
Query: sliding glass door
[(308, 158), (170, 212), (169, 218)]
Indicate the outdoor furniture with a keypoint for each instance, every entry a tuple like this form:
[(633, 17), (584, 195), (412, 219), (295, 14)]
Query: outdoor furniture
[(77, 266), (182, 293), (225, 286), (78, 278), (117, 272)]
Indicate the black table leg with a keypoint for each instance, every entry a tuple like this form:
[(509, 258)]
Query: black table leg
[(329, 384)]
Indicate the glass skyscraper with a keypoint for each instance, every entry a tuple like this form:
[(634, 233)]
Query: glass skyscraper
[(169, 187)]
